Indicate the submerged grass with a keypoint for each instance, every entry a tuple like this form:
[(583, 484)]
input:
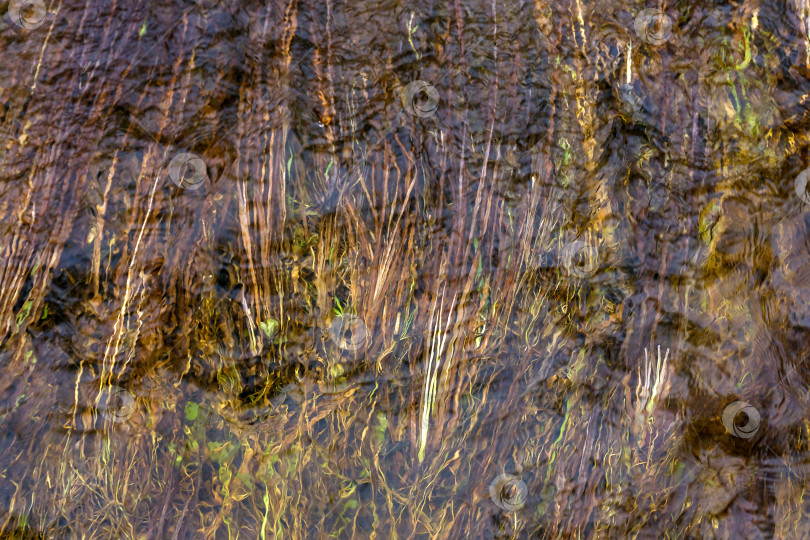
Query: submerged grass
[(487, 345)]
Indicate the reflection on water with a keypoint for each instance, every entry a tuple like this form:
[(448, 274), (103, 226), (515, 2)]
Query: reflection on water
[(321, 269)]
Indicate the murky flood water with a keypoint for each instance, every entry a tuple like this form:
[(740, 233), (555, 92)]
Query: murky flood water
[(381, 269)]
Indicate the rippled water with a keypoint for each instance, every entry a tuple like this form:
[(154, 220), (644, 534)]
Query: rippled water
[(395, 270)]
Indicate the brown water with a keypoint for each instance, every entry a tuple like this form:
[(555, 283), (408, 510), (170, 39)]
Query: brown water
[(394, 270)]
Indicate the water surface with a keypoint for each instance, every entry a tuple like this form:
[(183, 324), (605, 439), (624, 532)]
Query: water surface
[(375, 269)]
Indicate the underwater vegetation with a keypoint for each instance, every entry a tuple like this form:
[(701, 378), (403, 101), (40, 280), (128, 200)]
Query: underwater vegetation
[(320, 269)]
